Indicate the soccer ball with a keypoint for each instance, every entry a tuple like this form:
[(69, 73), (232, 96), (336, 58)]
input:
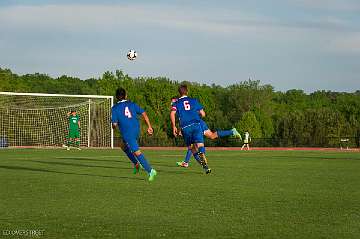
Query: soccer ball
[(131, 55)]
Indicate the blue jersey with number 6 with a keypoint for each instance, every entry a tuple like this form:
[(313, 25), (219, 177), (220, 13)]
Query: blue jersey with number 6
[(187, 110), (125, 113)]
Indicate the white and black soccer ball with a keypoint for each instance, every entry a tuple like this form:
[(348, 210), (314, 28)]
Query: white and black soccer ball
[(131, 55)]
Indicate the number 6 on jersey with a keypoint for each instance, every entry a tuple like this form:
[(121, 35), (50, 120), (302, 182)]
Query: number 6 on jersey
[(186, 105)]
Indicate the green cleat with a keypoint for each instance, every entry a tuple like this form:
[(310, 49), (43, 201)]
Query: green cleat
[(136, 168), (152, 175), (236, 134)]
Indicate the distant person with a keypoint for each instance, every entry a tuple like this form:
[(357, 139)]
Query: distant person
[(247, 140), (124, 116), (73, 137), (3, 142)]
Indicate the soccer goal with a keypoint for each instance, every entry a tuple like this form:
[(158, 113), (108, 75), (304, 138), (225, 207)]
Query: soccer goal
[(40, 120)]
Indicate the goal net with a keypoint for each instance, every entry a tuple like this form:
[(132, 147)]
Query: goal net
[(40, 120)]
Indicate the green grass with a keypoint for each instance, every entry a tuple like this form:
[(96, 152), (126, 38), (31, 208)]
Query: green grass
[(255, 194)]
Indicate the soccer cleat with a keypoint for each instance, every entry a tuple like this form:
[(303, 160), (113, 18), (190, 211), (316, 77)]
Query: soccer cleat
[(182, 164), (136, 168), (152, 175), (236, 134), (78, 148), (67, 148), (207, 171)]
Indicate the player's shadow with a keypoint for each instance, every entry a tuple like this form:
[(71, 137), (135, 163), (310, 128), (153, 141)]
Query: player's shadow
[(178, 170), (92, 159), (75, 164), (162, 165), (19, 168), (313, 157)]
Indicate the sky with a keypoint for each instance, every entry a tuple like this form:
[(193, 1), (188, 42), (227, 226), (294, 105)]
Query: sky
[(290, 44)]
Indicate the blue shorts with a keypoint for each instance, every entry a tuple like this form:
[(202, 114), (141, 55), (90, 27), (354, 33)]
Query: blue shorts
[(204, 126), (131, 143), (193, 134)]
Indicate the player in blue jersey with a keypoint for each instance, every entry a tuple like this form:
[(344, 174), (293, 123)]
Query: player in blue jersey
[(189, 111), (208, 134), (124, 116)]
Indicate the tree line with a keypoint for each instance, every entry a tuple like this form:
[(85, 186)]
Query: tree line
[(273, 118)]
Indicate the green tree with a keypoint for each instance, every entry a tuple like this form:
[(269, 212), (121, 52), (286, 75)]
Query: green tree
[(291, 118), (248, 122)]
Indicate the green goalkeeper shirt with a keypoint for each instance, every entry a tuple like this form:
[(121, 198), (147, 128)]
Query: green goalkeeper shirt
[(74, 122)]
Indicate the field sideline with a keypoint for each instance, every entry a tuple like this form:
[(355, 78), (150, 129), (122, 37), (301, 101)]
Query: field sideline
[(250, 194)]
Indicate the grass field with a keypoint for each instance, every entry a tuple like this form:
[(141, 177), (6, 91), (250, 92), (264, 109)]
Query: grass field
[(250, 194)]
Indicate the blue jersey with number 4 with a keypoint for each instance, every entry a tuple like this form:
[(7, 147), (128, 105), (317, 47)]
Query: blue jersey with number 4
[(187, 110), (125, 113)]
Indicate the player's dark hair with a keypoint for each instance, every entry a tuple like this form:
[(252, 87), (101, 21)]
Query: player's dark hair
[(183, 90), (121, 94), (72, 111)]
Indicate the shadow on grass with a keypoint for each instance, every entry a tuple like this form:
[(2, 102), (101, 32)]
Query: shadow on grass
[(155, 164), (92, 159), (311, 157), (176, 171), (19, 168), (179, 171), (164, 165), (76, 164)]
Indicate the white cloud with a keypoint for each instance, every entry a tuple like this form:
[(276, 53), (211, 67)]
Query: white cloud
[(349, 44), (336, 5), (112, 17), (271, 45)]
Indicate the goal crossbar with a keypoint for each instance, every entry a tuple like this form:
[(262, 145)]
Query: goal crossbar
[(57, 95)]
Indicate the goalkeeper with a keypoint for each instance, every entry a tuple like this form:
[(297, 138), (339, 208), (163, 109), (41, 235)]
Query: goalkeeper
[(74, 130)]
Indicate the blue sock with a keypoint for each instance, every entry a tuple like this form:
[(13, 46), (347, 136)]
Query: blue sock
[(188, 156), (144, 163), (131, 156), (197, 157), (202, 149), (224, 133)]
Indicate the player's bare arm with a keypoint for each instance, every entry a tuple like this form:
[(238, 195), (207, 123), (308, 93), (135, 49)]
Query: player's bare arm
[(173, 123), (202, 113), (147, 121)]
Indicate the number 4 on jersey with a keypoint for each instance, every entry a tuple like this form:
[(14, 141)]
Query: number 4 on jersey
[(127, 112)]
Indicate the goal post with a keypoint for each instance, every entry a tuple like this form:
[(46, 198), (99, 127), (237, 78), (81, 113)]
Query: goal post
[(40, 120)]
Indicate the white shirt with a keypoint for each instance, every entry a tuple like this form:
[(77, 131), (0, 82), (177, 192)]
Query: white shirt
[(247, 135)]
